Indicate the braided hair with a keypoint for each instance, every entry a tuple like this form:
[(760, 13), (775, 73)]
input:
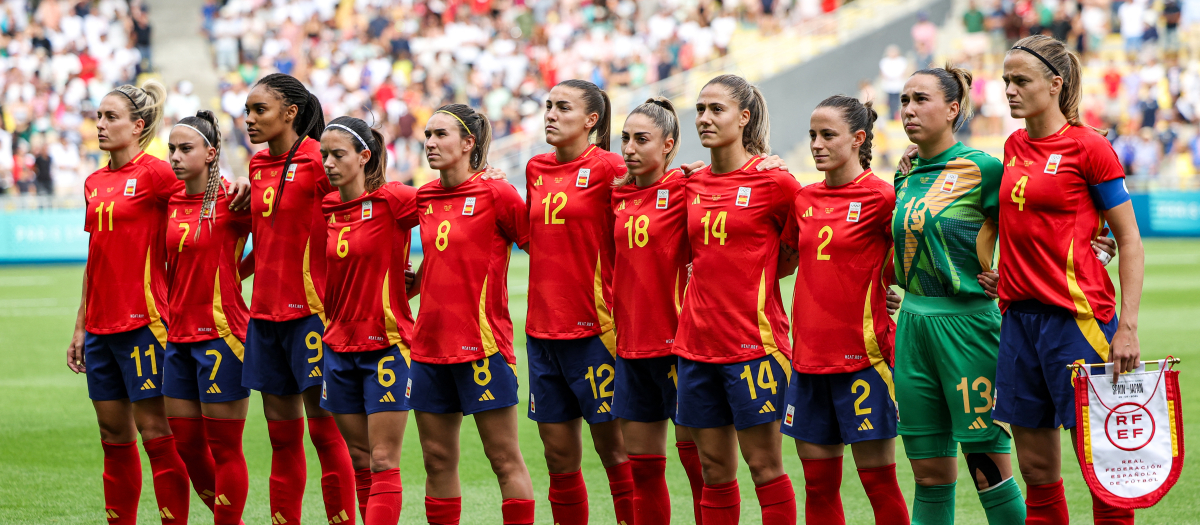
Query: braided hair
[(860, 117), (310, 118), (206, 123), (364, 137)]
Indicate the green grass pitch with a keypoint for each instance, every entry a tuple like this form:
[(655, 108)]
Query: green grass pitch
[(50, 458)]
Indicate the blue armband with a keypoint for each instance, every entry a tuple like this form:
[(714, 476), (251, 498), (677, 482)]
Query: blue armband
[(1109, 194)]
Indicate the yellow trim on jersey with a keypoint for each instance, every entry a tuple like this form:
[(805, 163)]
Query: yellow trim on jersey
[(1064, 128), (1083, 309), (138, 157), (485, 330), (863, 176), (751, 163), (872, 346), (221, 323), (237, 257), (608, 336), (785, 363), (310, 290), (589, 151), (679, 297), (156, 325), (985, 243), (389, 322), (764, 324)]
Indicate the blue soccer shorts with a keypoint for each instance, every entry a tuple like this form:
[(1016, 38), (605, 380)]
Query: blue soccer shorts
[(469, 388), (828, 409), (569, 379), (210, 371), (645, 390), (283, 358), (125, 364), (365, 382), (1037, 342), (743, 394)]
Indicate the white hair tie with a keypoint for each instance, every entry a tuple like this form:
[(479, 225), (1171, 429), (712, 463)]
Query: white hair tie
[(198, 132), (360, 140)]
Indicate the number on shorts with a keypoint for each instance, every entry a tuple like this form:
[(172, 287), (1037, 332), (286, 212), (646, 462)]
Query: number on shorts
[(313, 342), (217, 355), (483, 375), (137, 360), (598, 373), (982, 385), (866, 388), (386, 376), (674, 376), (766, 379)]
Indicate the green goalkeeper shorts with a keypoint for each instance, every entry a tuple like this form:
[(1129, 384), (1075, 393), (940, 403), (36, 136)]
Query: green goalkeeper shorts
[(946, 367)]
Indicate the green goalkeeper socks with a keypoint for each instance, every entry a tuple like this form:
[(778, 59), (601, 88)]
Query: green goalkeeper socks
[(934, 505), (1003, 503)]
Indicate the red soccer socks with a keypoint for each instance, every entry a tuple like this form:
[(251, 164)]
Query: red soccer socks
[(517, 511), (337, 472), (1105, 514), (443, 511), (192, 445), (651, 500), (568, 498), (620, 484), (170, 479), (721, 504), (122, 482), (1046, 504), (362, 486), (232, 479), (778, 501), (884, 493), (822, 491), (288, 469), (690, 458), (387, 495)]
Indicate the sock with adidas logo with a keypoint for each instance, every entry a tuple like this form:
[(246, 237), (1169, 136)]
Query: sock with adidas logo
[(233, 480), (568, 498), (884, 492), (387, 496), (288, 469), (192, 445), (822, 491), (337, 472), (170, 479), (620, 484), (122, 482)]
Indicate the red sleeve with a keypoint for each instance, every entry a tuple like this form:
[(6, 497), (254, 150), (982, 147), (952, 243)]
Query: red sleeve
[(404, 204), (511, 216), (791, 228), (1101, 163), (164, 182), (242, 221), (785, 200)]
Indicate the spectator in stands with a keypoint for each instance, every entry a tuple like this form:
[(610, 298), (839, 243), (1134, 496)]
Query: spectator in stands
[(1131, 15), (893, 70), (975, 42), (43, 181), (924, 35)]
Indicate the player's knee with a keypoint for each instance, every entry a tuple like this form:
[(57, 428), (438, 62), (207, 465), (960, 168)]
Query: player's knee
[(562, 457), (505, 462), (380, 458), (983, 470), (438, 457), (117, 432)]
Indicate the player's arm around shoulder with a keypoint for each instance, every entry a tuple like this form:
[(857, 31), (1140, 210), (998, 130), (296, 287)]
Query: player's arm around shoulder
[(511, 215)]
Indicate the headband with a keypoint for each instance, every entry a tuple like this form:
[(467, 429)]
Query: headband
[(1040, 57), (196, 130), (360, 140), (460, 121), (131, 102)]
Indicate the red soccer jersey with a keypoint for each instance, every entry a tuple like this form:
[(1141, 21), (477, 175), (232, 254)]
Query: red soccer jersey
[(1048, 220), (467, 233), (126, 264), (839, 311), (205, 290), (570, 244), (732, 311), (367, 253), (650, 274), (289, 234)]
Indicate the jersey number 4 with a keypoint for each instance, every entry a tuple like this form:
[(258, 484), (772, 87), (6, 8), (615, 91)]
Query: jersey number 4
[(1018, 192)]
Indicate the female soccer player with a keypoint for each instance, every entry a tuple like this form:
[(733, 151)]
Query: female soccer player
[(842, 392), (287, 316), (649, 277), (732, 339), (206, 402), (370, 323), (571, 344), (121, 328), (463, 361), (1061, 182)]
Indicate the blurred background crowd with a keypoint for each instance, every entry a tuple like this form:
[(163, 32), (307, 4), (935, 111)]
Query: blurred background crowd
[(392, 62)]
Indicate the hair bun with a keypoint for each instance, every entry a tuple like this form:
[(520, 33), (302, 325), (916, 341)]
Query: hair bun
[(206, 115)]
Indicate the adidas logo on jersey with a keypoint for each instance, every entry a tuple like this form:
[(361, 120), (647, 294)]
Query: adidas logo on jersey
[(697, 201), (1013, 162), (978, 424), (487, 396), (258, 175), (538, 182), (604, 408), (767, 408), (808, 212), (387, 398), (277, 519), (316, 372), (340, 517), (148, 385), (93, 195), (621, 206), (214, 389), (429, 210), (866, 425), (165, 513), (222, 500)]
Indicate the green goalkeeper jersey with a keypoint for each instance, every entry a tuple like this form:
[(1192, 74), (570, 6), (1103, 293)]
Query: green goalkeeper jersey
[(945, 226)]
